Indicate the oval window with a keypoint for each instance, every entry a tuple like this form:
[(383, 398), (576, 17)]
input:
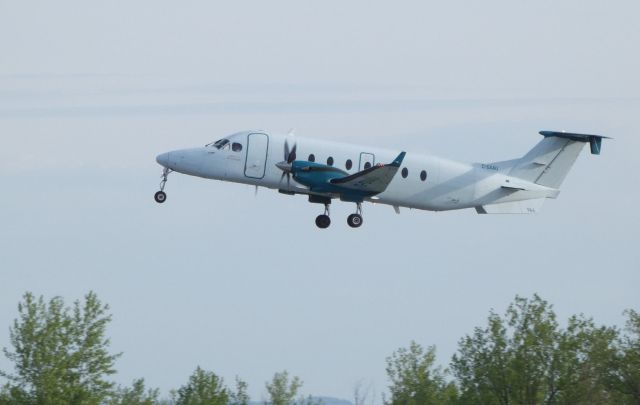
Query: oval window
[(330, 161), (367, 165), (236, 147), (349, 164), (405, 172), (312, 158), (423, 175)]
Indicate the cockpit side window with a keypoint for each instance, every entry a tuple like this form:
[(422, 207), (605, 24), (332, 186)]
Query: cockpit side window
[(219, 144), (236, 147)]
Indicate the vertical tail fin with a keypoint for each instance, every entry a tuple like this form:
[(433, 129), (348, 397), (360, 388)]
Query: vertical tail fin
[(551, 159)]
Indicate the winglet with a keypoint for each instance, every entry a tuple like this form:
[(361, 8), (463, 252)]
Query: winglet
[(595, 141), (398, 161)]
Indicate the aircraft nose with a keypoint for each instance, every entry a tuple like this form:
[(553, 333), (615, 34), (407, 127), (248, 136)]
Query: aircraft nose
[(164, 159)]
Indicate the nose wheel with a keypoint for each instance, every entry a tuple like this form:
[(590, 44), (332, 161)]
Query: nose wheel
[(323, 221), (161, 196), (355, 220)]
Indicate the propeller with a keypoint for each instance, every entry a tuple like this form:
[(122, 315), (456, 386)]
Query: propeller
[(289, 157)]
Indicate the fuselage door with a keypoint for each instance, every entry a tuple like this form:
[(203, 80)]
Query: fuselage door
[(257, 146), (367, 160)]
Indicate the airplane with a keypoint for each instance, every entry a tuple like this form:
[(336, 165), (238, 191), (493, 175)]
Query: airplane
[(325, 171)]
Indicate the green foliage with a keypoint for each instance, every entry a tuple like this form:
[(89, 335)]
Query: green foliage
[(525, 358), (203, 388), (624, 376), (283, 391), (14, 396), (507, 362), (240, 395), (415, 379), (582, 356), (137, 394), (60, 354)]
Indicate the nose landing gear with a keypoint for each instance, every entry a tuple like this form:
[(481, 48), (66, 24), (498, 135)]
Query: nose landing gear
[(161, 196), (355, 220), (323, 221)]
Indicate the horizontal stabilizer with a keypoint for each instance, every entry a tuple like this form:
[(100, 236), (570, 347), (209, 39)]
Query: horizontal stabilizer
[(595, 141), (513, 188), (517, 184), (516, 207)]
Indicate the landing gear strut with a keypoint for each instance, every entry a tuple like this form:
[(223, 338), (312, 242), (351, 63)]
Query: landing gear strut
[(355, 220), (323, 221), (161, 196)]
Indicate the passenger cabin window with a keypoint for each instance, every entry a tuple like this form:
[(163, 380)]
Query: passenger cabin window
[(349, 164), (367, 165), (423, 175), (405, 172), (330, 161), (312, 158), (236, 147)]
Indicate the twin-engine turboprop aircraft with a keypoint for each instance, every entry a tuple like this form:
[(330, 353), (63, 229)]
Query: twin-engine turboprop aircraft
[(324, 171)]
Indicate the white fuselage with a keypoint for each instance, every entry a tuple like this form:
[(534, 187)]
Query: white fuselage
[(447, 185)]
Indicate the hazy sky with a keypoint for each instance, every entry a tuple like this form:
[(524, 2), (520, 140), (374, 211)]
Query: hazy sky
[(91, 92)]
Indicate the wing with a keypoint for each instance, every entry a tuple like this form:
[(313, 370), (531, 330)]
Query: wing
[(371, 181)]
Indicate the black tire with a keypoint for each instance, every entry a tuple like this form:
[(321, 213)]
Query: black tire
[(160, 197), (323, 221), (354, 220)]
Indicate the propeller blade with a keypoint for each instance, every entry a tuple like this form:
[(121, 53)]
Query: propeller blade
[(289, 153), (286, 150), (292, 154)]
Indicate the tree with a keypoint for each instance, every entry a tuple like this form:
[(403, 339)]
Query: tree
[(240, 396), (360, 393), (9, 396), (508, 361), (283, 391), (203, 388), (136, 395), (581, 360), (415, 379), (526, 358), (624, 375), (60, 354)]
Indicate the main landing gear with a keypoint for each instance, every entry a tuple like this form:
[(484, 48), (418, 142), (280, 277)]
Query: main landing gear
[(161, 196), (355, 220), (323, 221)]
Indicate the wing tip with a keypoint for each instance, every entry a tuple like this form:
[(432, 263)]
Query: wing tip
[(398, 160)]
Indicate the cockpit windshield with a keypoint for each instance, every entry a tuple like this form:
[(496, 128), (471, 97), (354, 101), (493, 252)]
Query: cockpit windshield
[(219, 144)]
